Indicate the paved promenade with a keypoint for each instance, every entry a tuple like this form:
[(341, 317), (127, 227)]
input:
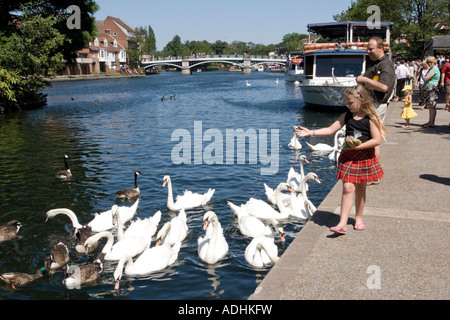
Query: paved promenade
[(405, 251)]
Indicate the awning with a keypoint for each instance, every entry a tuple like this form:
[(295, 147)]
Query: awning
[(333, 30)]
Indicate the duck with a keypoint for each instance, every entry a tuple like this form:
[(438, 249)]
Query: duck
[(132, 242), (172, 97), (58, 256), (261, 251), (294, 178), (67, 173), (77, 276), (174, 230), (9, 230), (16, 279), (81, 232), (103, 221), (253, 227), (247, 83), (262, 210), (212, 247), (301, 207), (151, 260), (294, 144), (130, 193), (188, 200)]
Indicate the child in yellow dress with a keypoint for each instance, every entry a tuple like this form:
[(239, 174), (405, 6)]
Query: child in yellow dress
[(408, 112)]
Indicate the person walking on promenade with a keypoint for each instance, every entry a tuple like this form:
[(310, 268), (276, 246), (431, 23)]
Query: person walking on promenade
[(357, 164), (402, 73), (408, 112), (445, 83), (431, 90)]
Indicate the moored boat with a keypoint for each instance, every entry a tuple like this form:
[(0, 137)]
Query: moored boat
[(294, 67), (331, 68)]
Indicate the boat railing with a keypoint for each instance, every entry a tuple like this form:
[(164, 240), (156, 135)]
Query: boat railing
[(340, 46)]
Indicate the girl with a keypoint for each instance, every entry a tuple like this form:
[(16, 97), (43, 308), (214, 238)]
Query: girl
[(357, 165), (408, 112)]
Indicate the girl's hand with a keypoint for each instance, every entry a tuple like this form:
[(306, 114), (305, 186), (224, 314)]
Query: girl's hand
[(303, 132)]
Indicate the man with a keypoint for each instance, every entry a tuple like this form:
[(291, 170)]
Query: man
[(445, 83), (402, 73), (379, 78)]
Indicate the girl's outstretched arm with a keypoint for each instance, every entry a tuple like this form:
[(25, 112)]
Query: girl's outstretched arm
[(335, 126)]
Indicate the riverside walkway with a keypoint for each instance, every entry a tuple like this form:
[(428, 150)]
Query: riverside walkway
[(404, 253)]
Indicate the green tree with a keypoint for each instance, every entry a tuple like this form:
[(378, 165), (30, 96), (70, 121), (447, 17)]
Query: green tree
[(414, 19), (175, 47), (293, 41)]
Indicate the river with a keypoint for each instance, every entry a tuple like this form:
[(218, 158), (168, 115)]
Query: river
[(129, 129)]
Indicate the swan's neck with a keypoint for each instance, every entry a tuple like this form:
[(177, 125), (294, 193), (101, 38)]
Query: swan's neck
[(213, 240), (279, 201), (108, 246), (170, 202), (124, 261), (302, 170), (263, 246), (70, 214), (119, 227)]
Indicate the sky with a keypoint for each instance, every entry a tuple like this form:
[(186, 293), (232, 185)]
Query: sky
[(258, 21)]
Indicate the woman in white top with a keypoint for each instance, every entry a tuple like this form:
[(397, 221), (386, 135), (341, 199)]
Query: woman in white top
[(423, 70)]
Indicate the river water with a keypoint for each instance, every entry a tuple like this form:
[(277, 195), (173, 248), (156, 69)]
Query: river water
[(130, 129)]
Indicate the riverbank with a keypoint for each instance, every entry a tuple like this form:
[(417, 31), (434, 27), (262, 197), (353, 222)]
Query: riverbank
[(404, 253), (94, 77)]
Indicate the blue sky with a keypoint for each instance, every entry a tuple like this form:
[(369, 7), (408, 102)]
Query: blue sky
[(257, 21)]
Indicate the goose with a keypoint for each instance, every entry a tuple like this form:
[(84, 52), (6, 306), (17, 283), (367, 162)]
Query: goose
[(301, 206), (58, 256), (21, 279), (294, 144), (251, 226), (103, 221), (294, 178), (81, 232), (186, 201), (151, 260), (130, 193), (9, 230), (129, 243), (64, 174), (262, 210), (247, 83), (261, 251), (76, 276), (213, 246), (172, 97), (174, 230), (163, 99)]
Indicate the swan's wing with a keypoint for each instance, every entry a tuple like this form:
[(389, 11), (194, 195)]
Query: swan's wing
[(102, 221), (269, 194)]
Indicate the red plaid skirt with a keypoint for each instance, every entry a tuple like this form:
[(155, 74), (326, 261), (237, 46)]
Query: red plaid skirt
[(359, 166)]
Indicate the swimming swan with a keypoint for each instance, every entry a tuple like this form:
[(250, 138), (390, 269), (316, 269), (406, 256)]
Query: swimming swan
[(174, 230), (324, 146), (186, 201), (294, 178), (261, 251), (213, 246), (301, 207), (103, 220), (294, 144)]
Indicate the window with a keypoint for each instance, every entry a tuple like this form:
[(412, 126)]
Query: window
[(115, 34), (344, 66), (96, 42), (108, 31), (105, 42)]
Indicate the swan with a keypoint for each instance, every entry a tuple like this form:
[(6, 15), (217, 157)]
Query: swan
[(64, 174), (103, 220), (213, 246), (324, 146), (151, 260), (132, 242), (294, 144), (174, 230), (186, 201), (21, 279), (294, 178), (247, 83), (251, 226), (130, 193), (58, 256), (9, 230), (340, 134), (81, 232), (276, 81), (261, 251), (301, 206), (262, 210), (76, 276)]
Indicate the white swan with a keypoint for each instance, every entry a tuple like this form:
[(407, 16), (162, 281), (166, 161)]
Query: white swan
[(294, 144), (294, 178), (324, 146), (300, 206), (81, 232), (174, 230), (261, 251), (340, 139), (103, 220), (251, 226), (247, 83), (151, 260), (213, 246), (138, 228), (131, 243), (186, 201), (262, 210)]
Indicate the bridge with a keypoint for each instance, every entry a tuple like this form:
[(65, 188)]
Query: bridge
[(186, 63)]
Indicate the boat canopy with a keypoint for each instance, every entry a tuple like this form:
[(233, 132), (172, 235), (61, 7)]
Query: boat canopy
[(349, 29)]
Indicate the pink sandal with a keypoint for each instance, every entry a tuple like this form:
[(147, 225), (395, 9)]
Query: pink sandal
[(360, 226), (338, 230)]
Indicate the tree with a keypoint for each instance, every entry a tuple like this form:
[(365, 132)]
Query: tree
[(144, 43), (414, 19), (175, 47), (293, 41)]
